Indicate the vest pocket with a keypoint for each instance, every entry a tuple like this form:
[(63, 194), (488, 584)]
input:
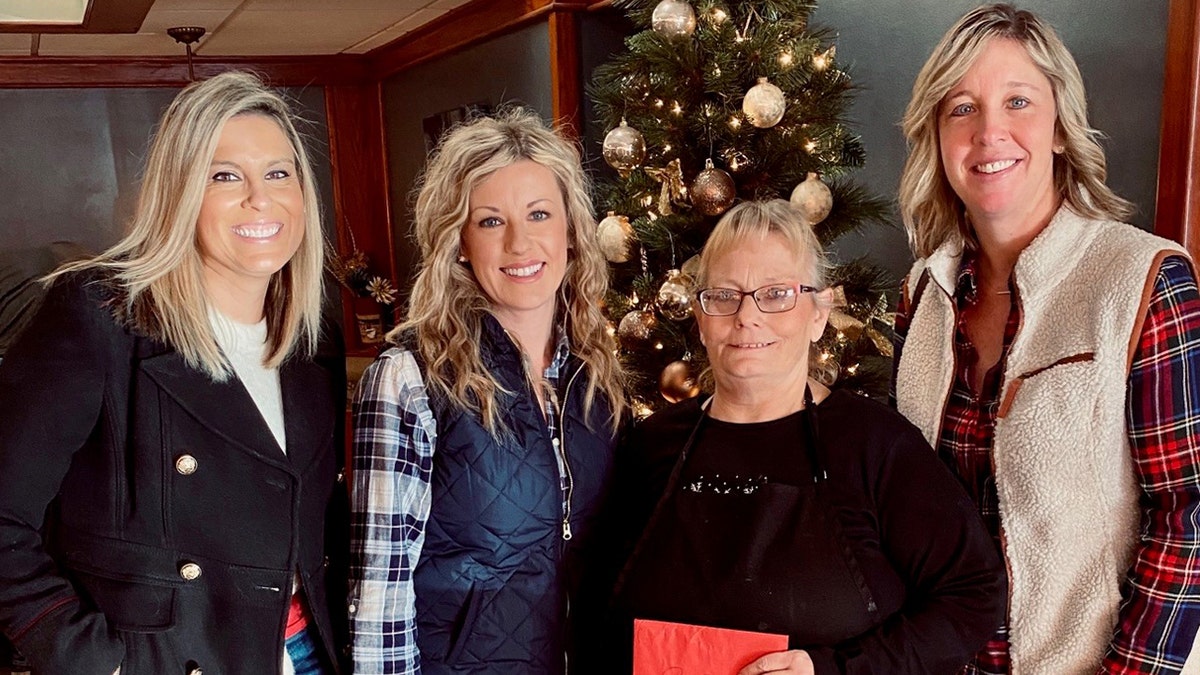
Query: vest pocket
[(1015, 385)]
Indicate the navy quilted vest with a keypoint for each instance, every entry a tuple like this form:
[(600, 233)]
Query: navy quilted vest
[(495, 574)]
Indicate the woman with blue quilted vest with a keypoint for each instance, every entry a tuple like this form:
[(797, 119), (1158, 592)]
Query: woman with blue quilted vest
[(1051, 354), (484, 437)]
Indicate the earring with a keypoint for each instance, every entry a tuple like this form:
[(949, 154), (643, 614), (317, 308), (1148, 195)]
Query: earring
[(1059, 149), (462, 258)]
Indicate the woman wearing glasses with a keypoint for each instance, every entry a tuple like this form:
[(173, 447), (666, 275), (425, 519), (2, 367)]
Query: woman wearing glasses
[(776, 505)]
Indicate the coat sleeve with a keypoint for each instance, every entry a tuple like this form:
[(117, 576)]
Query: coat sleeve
[(52, 385), (394, 438), (956, 586)]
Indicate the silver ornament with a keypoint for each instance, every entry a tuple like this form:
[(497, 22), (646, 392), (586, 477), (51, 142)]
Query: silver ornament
[(624, 148), (674, 297), (764, 104), (615, 236), (713, 191), (813, 199), (636, 326), (673, 18)]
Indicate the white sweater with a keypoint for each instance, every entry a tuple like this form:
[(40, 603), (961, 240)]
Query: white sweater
[(1068, 494)]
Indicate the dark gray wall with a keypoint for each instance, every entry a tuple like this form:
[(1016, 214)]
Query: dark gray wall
[(1119, 45), (71, 160), (514, 68)]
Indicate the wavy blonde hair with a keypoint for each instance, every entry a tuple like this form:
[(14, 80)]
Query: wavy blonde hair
[(932, 212), (447, 306), (157, 265)]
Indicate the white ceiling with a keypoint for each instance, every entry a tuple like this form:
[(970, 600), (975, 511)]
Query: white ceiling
[(248, 28)]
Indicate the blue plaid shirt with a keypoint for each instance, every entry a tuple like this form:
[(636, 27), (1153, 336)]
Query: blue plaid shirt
[(395, 434)]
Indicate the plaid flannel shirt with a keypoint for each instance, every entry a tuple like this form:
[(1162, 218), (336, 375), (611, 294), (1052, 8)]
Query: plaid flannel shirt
[(395, 434), (1160, 611)]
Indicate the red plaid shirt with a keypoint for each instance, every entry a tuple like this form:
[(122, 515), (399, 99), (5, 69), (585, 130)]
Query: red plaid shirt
[(1160, 611)]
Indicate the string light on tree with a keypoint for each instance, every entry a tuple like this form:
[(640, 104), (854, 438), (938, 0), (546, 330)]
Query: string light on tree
[(764, 104), (824, 59)]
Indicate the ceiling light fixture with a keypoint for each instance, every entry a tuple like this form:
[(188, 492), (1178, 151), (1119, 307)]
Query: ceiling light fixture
[(187, 35)]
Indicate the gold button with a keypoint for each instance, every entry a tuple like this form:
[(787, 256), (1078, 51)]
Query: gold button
[(189, 571), (186, 465)]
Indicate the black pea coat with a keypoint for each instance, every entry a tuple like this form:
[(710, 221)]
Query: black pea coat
[(148, 517)]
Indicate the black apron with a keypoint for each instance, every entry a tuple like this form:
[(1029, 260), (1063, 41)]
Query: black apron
[(770, 559)]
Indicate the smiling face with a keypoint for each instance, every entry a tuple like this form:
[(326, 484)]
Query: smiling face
[(769, 351), (515, 241), (251, 219), (996, 129)]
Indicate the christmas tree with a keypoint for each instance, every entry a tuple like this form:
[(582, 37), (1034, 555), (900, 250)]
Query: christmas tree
[(713, 102)]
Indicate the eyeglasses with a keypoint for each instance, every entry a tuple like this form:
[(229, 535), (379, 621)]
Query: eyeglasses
[(769, 299)]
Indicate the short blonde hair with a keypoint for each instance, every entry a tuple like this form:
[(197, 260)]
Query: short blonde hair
[(932, 212), (759, 219), (157, 264), (447, 303)]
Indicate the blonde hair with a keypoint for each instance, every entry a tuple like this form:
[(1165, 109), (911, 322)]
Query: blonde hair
[(447, 304), (157, 265), (932, 212), (760, 219)]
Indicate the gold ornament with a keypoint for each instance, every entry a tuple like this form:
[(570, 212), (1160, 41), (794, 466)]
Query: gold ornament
[(882, 344), (847, 325), (674, 297), (673, 19), (615, 235), (813, 199), (671, 178), (624, 149), (713, 191), (764, 104), (636, 326), (677, 382)]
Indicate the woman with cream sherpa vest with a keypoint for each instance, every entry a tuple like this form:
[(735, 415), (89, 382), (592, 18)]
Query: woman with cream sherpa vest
[(1051, 354)]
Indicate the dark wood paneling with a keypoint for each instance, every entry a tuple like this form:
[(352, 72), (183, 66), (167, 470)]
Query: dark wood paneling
[(360, 187), (1177, 214), (461, 27), (299, 71), (565, 71), (103, 16)]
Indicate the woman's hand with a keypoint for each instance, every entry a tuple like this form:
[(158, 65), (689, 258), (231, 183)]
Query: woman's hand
[(794, 662)]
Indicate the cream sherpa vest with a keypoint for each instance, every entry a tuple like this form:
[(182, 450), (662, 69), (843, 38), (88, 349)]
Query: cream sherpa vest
[(1064, 475)]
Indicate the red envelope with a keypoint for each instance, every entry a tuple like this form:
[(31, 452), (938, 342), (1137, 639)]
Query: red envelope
[(665, 648)]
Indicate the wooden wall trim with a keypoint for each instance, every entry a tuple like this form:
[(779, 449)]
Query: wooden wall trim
[(462, 27), (357, 150), (566, 72), (51, 71), (1177, 207)]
